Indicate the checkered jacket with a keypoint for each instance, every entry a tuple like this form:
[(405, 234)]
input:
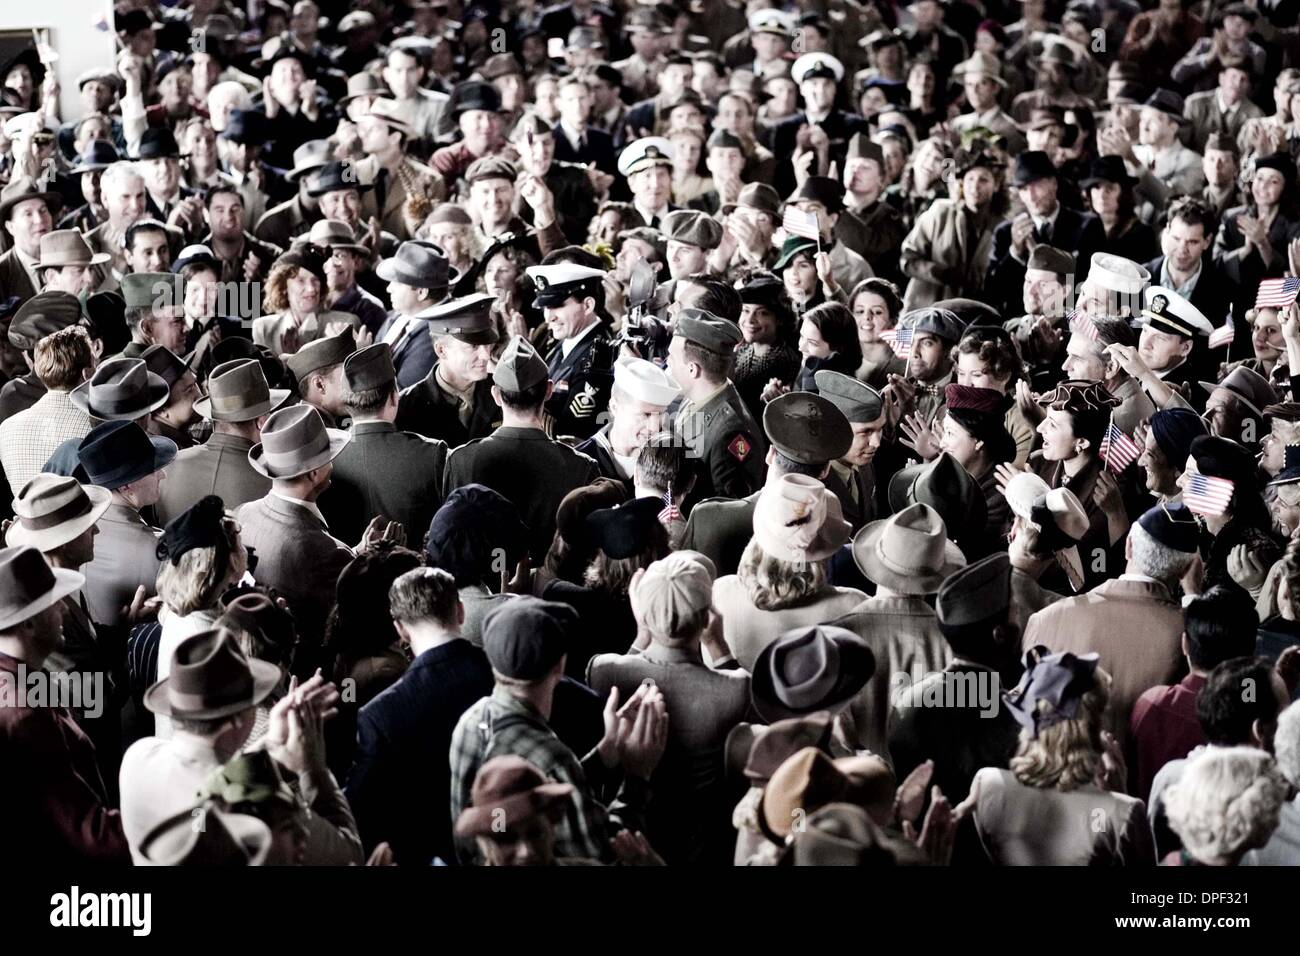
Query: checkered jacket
[(28, 438)]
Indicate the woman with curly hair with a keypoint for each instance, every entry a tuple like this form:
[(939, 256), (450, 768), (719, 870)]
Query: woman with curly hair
[(294, 303), (1062, 801), (1227, 802), (876, 305)]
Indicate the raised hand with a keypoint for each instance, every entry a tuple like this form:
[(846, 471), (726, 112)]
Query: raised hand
[(922, 438)]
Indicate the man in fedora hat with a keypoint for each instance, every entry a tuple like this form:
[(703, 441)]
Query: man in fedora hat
[(58, 517), (238, 403), (405, 190), (281, 223), (1165, 168), (27, 213), (240, 146), (519, 460), (475, 106), (96, 156), (211, 695), (167, 199), (689, 813), (526, 642), (243, 257), (1226, 108), (418, 278), (907, 557), (1044, 220), (66, 262), (382, 471), (982, 82), (513, 813), (120, 457), (338, 189), (173, 418), (348, 275), (60, 795), (61, 362), (122, 389)]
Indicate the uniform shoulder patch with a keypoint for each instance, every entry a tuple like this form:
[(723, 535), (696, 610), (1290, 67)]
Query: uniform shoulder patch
[(740, 447), (584, 402)]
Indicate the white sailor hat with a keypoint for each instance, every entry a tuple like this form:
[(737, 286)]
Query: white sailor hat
[(645, 381), (813, 66), (1118, 274), (772, 21), (1167, 311), (645, 152), (557, 283), (26, 124)]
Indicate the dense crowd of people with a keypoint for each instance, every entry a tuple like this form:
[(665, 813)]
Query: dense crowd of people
[(664, 433)]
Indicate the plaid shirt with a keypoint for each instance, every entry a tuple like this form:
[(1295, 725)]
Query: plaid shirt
[(502, 724), (28, 438)]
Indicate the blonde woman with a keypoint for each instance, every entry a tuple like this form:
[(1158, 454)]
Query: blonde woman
[(1227, 802), (1062, 801), (202, 557), (782, 581), (294, 302)]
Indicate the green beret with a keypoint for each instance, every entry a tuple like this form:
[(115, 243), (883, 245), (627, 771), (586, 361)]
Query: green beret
[(708, 331)]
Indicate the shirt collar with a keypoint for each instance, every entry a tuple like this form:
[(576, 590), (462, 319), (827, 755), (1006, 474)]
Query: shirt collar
[(309, 505), (569, 344), (650, 214), (1188, 287)]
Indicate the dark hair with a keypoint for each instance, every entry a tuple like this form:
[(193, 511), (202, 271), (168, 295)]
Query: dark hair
[(651, 237), (1220, 625), (369, 400), (217, 189), (1226, 712), (424, 594), (716, 296), (1114, 331), (992, 346), (883, 288), (716, 367), (359, 624), (788, 466), (662, 464), (838, 328), (1192, 211), (139, 226), (528, 400), (1090, 425)]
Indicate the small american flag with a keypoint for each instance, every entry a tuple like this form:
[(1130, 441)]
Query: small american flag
[(900, 340), (799, 223), (1081, 323), (1223, 335), (1118, 450), (670, 511), (1208, 496), (1277, 293)]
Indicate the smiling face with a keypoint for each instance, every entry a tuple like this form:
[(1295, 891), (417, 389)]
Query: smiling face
[(975, 373), (304, 292), (569, 318), (1160, 474), (871, 316), (867, 439), (1267, 186), (811, 342), (977, 187), (342, 204), (1281, 433), (464, 361), (1266, 335), (634, 422), (959, 443), (1059, 440), (651, 187), (28, 221), (757, 324), (685, 259)]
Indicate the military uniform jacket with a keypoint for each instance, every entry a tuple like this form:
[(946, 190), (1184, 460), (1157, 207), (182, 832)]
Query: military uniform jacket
[(424, 408), (529, 469), (720, 528), (721, 435), (856, 489), (876, 234), (583, 380), (839, 126), (382, 471), (218, 467)]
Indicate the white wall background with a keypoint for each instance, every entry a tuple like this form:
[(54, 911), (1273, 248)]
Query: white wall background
[(81, 31)]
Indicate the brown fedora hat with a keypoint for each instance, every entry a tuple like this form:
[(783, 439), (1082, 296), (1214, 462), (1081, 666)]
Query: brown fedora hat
[(66, 247), (206, 836), (22, 189), (294, 442), (28, 585), (237, 392), (211, 678), (333, 234), (52, 510), (121, 389), (509, 791)]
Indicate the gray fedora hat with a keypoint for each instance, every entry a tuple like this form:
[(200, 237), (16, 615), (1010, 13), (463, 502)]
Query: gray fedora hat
[(52, 510), (28, 585), (908, 552), (294, 442), (67, 247), (121, 389), (418, 263), (237, 392), (808, 669)]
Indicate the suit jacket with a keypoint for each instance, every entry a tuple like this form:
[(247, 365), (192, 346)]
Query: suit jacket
[(424, 408), (1028, 597), (1135, 625), (720, 528), (269, 330), (1202, 109), (1214, 295), (403, 740), (1080, 234), (597, 149), (393, 191), (124, 560), (280, 224), (13, 278), (903, 633), (298, 557), (217, 467), (413, 355), (382, 471), (583, 380), (527, 467), (939, 259), (839, 126), (1176, 172), (689, 816), (58, 801)]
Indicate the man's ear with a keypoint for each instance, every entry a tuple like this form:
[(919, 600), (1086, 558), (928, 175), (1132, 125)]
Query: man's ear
[(9, 228), (1185, 348), (550, 389), (496, 396)]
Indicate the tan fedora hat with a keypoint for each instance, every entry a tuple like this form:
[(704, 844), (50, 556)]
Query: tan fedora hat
[(294, 442), (52, 510), (237, 392), (909, 552), (211, 678), (205, 836), (333, 234), (28, 585), (66, 247), (121, 390)]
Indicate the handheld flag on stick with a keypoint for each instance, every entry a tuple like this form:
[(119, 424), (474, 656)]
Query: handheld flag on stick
[(1277, 293), (900, 340), (1118, 450), (1205, 495), (1223, 335), (799, 223)]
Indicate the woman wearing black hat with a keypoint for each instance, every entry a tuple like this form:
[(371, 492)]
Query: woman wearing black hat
[(768, 351), (1108, 191), (1254, 239)]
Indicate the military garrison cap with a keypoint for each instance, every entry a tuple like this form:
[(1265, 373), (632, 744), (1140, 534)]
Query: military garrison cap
[(520, 367), (859, 402), (708, 331), (370, 367)]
